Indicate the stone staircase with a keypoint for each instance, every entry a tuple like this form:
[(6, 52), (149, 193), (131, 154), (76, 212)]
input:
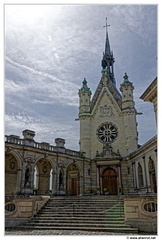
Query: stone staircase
[(96, 213)]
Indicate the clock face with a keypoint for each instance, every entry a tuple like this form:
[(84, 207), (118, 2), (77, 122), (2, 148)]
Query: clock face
[(107, 132)]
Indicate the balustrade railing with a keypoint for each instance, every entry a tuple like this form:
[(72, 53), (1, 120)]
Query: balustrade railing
[(42, 146)]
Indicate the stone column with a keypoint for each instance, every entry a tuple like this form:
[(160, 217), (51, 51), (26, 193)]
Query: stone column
[(155, 110), (18, 184), (81, 185), (54, 183), (119, 181)]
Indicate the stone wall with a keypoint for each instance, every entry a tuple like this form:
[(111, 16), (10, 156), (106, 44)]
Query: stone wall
[(141, 212), (21, 210)]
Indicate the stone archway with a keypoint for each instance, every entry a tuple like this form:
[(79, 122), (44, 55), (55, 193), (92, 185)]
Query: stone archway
[(109, 182), (43, 168), (72, 182), (11, 174)]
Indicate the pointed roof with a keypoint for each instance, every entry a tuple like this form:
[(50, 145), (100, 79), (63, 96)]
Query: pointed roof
[(85, 88), (105, 82), (107, 46), (108, 59)]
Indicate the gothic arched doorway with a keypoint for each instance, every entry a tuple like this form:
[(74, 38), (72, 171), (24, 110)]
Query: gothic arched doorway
[(43, 176), (109, 182), (11, 169), (72, 180)]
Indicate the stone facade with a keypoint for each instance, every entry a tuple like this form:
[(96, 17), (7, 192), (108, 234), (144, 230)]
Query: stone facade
[(141, 212), (109, 107), (19, 210), (40, 168)]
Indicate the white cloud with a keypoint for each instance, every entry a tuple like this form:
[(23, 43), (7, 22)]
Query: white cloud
[(46, 62), (58, 90), (46, 130)]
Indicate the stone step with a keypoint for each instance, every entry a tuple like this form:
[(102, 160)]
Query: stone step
[(84, 218), (81, 210), (75, 224), (88, 197), (84, 206), (85, 200), (105, 229), (79, 213), (101, 210), (79, 221), (76, 219)]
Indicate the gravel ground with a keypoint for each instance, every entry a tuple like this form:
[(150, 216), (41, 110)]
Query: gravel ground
[(67, 232), (60, 232)]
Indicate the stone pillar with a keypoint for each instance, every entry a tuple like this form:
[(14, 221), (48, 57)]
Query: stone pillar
[(28, 137), (54, 186), (98, 176), (18, 185), (119, 181), (81, 185), (155, 110)]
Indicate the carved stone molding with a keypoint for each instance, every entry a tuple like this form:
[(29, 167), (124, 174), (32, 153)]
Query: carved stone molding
[(106, 111)]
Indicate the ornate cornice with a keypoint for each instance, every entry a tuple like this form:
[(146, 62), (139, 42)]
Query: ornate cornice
[(84, 117), (150, 94)]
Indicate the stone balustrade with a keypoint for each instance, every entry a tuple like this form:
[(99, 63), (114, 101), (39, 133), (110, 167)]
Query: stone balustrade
[(16, 140)]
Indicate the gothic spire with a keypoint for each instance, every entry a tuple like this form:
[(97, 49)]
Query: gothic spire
[(107, 44), (108, 59)]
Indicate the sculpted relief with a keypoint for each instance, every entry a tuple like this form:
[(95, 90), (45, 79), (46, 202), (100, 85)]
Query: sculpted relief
[(106, 111)]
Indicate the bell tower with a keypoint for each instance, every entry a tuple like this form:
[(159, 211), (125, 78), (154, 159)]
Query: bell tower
[(108, 128), (108, 125)]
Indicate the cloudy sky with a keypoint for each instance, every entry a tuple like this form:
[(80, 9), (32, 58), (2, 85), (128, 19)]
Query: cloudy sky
[(49, 49)]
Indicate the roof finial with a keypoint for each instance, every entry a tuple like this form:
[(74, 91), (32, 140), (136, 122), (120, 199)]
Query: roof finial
[(126, 77), (106, 27)]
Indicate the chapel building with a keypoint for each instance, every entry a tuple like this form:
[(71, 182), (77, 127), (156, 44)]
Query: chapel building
[(110, 161)]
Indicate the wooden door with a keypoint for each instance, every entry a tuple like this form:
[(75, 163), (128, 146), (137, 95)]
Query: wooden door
[(109, 182), (72, 180)]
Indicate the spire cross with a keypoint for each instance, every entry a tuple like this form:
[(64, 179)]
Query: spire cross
[(106, 26)]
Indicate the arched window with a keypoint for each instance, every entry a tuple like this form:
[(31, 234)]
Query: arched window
[(152, 174), (11, 174), (151, 165), (72, 181), (43, 177), (140, 175)]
